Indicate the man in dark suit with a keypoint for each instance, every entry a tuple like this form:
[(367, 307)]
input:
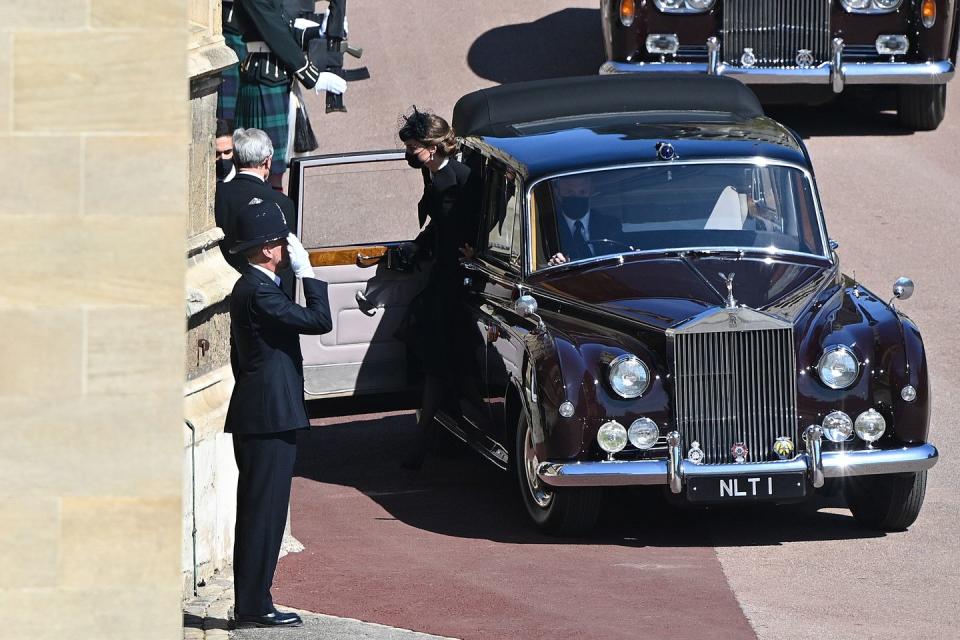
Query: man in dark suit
[(267, 408), (579, 229), (253, 156)]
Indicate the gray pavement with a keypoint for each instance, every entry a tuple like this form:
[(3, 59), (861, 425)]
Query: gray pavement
[(321, 627)]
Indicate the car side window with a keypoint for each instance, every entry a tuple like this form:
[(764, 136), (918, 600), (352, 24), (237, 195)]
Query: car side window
[(502, 218)]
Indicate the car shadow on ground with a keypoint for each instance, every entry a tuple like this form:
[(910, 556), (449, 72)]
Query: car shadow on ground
[(458, 493), (565, 43), (853, 114)]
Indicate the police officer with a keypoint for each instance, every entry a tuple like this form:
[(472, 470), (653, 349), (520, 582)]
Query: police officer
[(267, 408), (275, 58)]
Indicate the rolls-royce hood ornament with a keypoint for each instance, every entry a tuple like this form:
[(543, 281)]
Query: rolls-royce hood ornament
[(731, 301)]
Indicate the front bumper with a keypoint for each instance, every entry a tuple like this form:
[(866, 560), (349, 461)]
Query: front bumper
[(835, 73), (674, 471)]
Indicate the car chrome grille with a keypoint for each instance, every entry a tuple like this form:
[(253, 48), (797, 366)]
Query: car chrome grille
[(776, 30), (735, 387)]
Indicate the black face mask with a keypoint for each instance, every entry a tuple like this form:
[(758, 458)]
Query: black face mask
[(224, 165), (413, 160), (575, 206)]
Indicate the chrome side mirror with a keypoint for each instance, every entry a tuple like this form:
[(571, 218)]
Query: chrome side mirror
[(903, 288), (525, 306)]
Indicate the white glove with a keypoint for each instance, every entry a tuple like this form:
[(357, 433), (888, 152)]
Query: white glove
[(299, 258), (323, 27), (303, 23), (330, 82)]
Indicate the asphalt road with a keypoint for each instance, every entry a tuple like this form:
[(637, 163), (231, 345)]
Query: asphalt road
[(447, 551)]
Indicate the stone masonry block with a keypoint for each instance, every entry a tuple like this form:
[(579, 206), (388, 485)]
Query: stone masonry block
[(110, 612), (119, 541), (6, 96), (29, 542), (41, 352), (95, 260), (115, 167), (125, 14), (34, 14), (109, 81), (46, 171), (129, 351), (125, 445)]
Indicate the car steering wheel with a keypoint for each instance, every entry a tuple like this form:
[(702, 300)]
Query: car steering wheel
[(617, 243)]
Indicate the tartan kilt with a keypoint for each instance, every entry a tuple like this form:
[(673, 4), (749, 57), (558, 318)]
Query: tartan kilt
[(268, 108), (227, 95)]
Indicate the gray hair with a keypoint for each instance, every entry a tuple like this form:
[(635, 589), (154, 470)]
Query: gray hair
[(251, 148)]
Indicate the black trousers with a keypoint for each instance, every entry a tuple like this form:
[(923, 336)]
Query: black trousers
[(265, 463)]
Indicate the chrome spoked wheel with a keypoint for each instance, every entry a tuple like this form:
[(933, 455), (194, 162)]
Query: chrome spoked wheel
[(538, 492)]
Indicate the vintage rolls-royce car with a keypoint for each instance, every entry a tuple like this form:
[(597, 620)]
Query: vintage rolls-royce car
[(654, 301), (906, 44)]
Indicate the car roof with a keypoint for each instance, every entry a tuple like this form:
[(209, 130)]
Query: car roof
[(568, 124)]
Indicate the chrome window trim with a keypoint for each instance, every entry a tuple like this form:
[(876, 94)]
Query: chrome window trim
[(759, 161)]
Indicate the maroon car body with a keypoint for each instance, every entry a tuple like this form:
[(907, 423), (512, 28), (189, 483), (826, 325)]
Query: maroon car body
[(831, 44)]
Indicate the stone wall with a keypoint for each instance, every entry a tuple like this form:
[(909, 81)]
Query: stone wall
[(95, 131)]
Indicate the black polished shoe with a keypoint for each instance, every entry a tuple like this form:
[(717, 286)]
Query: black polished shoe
[(274, 619)]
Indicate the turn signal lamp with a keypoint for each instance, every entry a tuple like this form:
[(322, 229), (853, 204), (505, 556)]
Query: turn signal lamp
[(612, 437), (628, 11), (928, 13)]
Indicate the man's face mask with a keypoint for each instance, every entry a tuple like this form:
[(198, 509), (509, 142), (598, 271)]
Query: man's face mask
[(224, 165), (413, 160), (575, 206)]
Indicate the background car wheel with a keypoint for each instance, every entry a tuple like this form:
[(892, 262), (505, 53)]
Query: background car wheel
[(888, 503), (562, 512), (921, 107)]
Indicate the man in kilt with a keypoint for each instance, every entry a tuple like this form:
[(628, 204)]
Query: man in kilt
[(227, 96), (275, 57)]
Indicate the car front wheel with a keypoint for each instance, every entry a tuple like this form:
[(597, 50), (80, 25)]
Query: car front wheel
[(921, 107), (564, 512), (888, 502)]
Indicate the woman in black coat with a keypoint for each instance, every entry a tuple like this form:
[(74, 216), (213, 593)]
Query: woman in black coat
[(449, 209)]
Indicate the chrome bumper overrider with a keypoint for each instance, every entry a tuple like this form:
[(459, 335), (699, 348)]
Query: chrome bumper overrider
[(835, 73), (674, 471)]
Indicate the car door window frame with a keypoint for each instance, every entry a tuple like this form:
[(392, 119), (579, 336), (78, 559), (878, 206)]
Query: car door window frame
[(495, 173)]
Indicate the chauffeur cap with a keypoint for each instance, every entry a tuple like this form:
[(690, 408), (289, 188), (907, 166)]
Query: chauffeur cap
[(259, 223)]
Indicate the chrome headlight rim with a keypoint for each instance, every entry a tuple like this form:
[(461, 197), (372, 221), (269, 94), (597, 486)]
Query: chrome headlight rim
[(830, 351), (611, 372), (684, 6), (870, 6), (643, 433), (838, 427), (612, 437), (860, 425)]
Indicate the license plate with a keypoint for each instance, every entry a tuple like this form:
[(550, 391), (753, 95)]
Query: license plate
[(746, 487)]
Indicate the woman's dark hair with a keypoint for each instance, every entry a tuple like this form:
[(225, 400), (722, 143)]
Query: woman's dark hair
[(429, 130)]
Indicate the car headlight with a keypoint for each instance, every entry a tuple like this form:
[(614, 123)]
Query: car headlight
[(643, 433), (870, 425), (838, 367), (684, 6), (629, 377), (612, 437), (837, 426), (871, 6)]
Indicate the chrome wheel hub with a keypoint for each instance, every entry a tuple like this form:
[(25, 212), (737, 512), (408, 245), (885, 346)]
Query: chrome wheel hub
[(530, 463)]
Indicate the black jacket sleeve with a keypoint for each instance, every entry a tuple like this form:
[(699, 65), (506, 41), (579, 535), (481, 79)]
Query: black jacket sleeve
[(277, 33), (275, 308)]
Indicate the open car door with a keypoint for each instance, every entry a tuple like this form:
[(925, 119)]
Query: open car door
[(354, 210)]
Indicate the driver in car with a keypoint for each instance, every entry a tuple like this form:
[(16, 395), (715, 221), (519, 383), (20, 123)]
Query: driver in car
[(580, 230)]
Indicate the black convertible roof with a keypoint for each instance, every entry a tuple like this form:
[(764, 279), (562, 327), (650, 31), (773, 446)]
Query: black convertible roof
[(493, 111)]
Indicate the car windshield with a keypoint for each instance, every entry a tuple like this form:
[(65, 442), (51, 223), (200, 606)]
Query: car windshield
[(677, 206)]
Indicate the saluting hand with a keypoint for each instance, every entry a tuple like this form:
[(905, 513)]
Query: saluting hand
[(299, 258)]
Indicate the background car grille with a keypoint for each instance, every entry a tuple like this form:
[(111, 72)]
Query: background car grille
[(776, 30), (736, 386)]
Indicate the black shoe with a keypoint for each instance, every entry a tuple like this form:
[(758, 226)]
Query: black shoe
[(274, 619)]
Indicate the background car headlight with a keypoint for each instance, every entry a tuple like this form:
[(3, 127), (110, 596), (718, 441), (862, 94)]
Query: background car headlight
[(612, 437), (837, 426), (870, 425), (838, 367), (871, 6), (629, 377), (643, 433), (684, 6)]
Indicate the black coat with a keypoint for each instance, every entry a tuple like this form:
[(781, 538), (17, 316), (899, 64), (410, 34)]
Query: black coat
[(450, 203), (600, 227), (265, 327), (231, 198)]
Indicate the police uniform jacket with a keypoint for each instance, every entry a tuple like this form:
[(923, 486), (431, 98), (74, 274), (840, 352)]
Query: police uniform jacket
[(267, 362)]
